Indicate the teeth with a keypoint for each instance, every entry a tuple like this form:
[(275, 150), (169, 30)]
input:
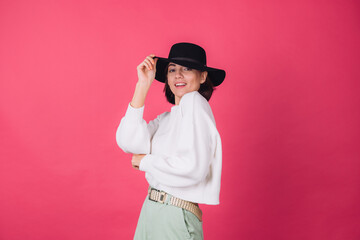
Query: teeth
[(180, 84)]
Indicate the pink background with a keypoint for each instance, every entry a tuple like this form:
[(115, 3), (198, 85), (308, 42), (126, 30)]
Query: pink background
[(288, 113)]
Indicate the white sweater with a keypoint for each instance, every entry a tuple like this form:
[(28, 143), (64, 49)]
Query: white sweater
[(182, 147)]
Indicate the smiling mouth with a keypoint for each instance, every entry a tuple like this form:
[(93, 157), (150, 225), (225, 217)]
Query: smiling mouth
[(180, 84)]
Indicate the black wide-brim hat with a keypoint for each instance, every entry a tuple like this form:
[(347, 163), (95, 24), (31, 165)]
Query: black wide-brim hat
[(188, 55)]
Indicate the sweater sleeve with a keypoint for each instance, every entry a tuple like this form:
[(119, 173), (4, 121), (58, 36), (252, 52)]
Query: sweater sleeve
[(134, 134), (195, 149)]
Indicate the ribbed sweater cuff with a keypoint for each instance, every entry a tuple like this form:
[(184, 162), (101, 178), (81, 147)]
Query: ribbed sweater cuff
[(134, 114)]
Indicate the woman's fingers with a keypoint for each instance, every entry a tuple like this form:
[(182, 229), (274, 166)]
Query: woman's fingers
[(155, 60), (148, 63), (136, 159), (134, 165), (151, 59)]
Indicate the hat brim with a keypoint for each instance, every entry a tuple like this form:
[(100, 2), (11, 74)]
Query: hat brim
[(216, 75)]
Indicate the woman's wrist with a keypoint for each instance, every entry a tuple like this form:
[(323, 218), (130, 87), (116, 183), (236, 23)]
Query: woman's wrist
[(140, 93), (143, 84)]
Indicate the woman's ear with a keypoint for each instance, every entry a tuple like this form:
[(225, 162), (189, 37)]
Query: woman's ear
[(203, 77)]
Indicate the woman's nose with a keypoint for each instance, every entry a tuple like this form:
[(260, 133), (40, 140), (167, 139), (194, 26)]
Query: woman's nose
[(178, 74)]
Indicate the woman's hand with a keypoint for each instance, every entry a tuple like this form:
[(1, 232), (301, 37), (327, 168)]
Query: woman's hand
[(146, 70), (136, 159), (146, 73)]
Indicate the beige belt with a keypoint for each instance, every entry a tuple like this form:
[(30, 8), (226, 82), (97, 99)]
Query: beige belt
[(162, 197)]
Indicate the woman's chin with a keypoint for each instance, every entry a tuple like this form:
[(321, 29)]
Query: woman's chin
[(181, 92)]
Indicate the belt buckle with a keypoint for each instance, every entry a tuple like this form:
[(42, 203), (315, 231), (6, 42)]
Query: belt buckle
[(161, 193), (162, 197)]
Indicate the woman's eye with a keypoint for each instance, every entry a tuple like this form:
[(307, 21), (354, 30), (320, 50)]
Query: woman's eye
[(171, 70), (187, 69)]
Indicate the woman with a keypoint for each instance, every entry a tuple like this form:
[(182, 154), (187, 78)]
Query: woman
[(180, 150)]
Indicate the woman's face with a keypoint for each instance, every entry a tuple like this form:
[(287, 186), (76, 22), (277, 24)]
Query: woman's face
[(182, 80)]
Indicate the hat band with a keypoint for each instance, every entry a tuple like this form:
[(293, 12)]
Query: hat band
[(188, 59)]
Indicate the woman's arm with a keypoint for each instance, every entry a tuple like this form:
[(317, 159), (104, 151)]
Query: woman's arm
[(146, 75), (133, 134)]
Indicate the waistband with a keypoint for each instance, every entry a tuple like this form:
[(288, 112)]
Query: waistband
[(163, 197)]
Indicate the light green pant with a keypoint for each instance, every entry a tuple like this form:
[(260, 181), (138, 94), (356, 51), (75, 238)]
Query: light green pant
[(159, 221)]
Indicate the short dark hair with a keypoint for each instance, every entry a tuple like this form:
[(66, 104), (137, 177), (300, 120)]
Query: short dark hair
[(206, 89)]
